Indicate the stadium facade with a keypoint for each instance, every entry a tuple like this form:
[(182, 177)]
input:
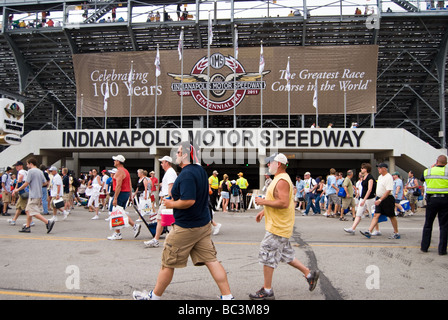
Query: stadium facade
[(37, 69)]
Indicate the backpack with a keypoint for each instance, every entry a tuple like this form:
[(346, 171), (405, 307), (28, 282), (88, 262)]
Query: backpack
[(235, 190)]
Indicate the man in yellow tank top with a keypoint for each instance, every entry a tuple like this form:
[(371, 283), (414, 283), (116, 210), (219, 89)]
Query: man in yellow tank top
[(279, 217)]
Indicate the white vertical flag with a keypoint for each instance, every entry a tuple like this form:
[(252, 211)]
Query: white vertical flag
[(181, 44), (106, 96), (157, 63), (210, 29), (236, 43), (315, 96), (261, 67), (288, 76), (130, 76)]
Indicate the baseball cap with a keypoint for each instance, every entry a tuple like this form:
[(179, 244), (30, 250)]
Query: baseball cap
[(396, 173), (281, 158), (114, 170), (119, 158), (383, 165), (307, 173), (270, 158), (215, 172), (53, 168), (166, 158), (18, 163)]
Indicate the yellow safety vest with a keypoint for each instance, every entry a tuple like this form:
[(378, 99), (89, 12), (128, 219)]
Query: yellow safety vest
[(242, 183), (436, 179), (213, 182)]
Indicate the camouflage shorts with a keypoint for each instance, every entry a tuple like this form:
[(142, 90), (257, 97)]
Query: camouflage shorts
[(275, 249)]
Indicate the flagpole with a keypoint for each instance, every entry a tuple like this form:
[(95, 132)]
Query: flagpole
[(82, 105), (317, 105), (261, 91), (208, 68), (235, 54), (182, 77), (106, 102), (345, 110), (289, 98), (155, 104), (261, 103), (132, 93)]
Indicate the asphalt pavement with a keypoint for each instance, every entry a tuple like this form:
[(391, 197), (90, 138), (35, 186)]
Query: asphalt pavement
[(76, 261)]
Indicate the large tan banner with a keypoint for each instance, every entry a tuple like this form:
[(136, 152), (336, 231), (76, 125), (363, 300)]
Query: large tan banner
[(345, 78)]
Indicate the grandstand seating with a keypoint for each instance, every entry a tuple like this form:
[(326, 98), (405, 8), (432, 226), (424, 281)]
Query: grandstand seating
[(36, 63)]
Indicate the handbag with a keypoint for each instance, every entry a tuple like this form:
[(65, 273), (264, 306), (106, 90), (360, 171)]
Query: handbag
[(24, 195), (342, 193), (58, 203), (118, 218), (417, 192)]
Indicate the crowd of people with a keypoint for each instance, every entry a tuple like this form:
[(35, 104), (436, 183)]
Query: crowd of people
[(336, 195), (191, 196)]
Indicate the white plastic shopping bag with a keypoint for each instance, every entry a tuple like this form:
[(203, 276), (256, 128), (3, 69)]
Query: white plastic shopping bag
[(118, 218)]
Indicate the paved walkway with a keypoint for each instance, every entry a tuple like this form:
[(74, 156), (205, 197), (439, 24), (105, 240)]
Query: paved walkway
[(76, 261)]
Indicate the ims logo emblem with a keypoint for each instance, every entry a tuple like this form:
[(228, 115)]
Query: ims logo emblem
[(228, 83)]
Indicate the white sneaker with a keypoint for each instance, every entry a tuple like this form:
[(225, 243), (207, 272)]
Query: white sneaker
[(136, 229), (144, 295), (54, 218), (349, 230), (115, 236), (216, 229), (153, 243), (141, 295), (95, 218), (65, 213), (376, 233)]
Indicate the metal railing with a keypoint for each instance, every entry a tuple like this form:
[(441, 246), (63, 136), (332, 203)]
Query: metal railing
[(78, 15)]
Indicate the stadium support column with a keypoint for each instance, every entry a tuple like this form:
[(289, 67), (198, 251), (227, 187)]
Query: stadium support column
[(391, 164), (441, 67)]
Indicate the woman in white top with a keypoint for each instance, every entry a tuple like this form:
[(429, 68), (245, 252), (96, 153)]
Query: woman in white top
[(94, 187)]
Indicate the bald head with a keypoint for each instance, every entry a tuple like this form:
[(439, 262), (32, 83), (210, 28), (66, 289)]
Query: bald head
[(441, 160)]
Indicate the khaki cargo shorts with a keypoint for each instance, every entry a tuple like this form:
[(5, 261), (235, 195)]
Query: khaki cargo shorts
[(34, 206), (6, 197), (182, 243), (21, 203)]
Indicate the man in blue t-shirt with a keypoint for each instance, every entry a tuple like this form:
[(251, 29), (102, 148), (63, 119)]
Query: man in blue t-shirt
[(192, 187), (191, 231)]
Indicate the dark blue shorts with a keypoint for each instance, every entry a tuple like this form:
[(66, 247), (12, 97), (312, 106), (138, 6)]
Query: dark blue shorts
[(122, 199)]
